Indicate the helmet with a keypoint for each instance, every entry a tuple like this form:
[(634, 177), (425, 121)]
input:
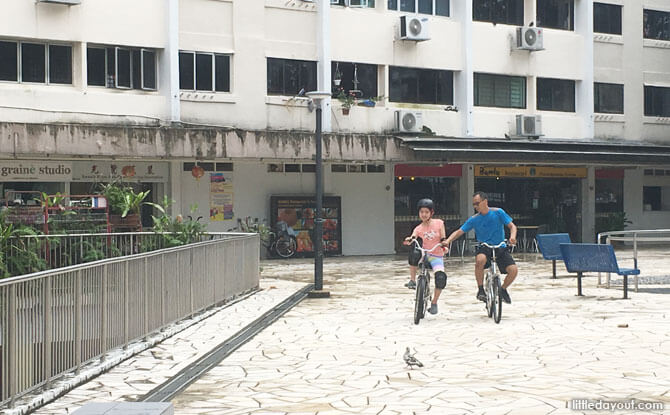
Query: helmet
[(425, 203)]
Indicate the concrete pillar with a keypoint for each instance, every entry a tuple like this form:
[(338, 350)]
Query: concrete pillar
[(174, 191), (588, 207), (170, 64), (464, 80), (633, 183), (323, 66), (467, 189), (584, 88)]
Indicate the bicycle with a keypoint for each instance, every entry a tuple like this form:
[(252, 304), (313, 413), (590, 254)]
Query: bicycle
[(423, 294), (492, 285), (278, 242)]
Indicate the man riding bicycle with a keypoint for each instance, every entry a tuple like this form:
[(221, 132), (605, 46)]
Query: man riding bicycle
[(489, 223), (431, 232)]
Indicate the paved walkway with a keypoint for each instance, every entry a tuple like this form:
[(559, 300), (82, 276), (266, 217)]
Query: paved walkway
[(344, 354)]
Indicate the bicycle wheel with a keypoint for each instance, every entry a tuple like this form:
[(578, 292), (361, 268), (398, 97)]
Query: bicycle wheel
[(489, 294), (497, 302), (419, 302), (285, 247)]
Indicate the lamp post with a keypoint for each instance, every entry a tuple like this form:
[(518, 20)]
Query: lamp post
[(318, 98)]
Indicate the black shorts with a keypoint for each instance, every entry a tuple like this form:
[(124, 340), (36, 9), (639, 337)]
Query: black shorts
[(503, 257)]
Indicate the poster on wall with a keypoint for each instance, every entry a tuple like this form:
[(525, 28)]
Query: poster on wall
[(298, 212), (220, 197)]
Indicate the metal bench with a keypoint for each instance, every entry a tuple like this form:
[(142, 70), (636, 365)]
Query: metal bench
[(582, 258), (549, 245)]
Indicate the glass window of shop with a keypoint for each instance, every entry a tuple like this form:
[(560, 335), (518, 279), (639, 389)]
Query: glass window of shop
[(27, 192), (549, 203), (445, 193), (609, 204)]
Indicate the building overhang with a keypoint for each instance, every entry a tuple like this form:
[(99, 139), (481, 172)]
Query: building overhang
[(479, 150)]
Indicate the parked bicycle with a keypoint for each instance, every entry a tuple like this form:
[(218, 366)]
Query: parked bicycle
[(492, 285), (423, 294), (279, 242)]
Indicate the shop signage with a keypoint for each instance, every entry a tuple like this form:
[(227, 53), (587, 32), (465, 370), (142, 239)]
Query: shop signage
[(220, 196), (132, 171), (35, 171), (530, 171)]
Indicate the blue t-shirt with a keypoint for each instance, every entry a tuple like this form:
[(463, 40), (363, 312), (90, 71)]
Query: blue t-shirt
[(490, 228)]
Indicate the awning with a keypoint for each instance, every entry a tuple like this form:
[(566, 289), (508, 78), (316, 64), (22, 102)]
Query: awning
[(482, 150)]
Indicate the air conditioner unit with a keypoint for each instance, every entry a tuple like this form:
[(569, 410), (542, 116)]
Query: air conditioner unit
[(414, 28), (67, 2), (408, 121), (528, 125), (529, 38)]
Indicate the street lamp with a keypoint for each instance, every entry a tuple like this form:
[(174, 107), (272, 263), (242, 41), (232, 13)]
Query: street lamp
[(318, 97)]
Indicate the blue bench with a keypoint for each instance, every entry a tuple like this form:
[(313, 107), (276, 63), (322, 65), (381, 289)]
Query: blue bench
[(549, 245), (582, 258)]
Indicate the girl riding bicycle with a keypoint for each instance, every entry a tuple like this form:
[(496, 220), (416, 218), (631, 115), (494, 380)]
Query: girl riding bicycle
[(431, 232)]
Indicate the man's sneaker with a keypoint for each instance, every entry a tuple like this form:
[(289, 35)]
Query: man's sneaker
[(505, 296), (410, 284), (481, 295), (433, 309)]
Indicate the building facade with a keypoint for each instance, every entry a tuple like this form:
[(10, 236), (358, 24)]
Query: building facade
[(559, 109)]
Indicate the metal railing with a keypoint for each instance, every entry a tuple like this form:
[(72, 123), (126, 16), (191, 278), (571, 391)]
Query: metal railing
[(53, 322), (636, 237), (31, 253)]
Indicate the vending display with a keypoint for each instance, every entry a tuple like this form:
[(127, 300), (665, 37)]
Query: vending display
[(298, 213)]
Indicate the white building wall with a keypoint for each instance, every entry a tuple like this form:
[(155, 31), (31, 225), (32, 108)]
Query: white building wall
[(367, 204)]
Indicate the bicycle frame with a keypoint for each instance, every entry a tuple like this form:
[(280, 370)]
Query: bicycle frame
[(492, 285)]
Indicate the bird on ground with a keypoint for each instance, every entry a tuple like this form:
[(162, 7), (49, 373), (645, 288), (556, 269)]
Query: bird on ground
[(410, 359)]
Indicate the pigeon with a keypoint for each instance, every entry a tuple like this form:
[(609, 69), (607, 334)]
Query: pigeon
[(531, 24), (410, 359), (301, 93)]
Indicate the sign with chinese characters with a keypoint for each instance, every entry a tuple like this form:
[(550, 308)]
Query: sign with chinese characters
[(530, 171), (220, 196), (132, 171), (35, 171)]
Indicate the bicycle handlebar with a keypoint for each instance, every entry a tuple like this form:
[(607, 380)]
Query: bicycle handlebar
[(494, 246), (416, 242)]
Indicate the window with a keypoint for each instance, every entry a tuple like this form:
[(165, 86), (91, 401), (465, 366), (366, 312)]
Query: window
[(338, 168), (422, 86), (120, 67), (289, 77), (555, 95), (498, 11), (357, 77), (500, 91), (608, 98), (656, 24), (656, 101), (607, 18), (435, 7), (9, 61), (556, 14), (39, 63), (204, 71), (651, 197), (355, 3)]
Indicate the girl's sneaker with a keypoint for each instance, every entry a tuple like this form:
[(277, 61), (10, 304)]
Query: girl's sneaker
[(411, 285)]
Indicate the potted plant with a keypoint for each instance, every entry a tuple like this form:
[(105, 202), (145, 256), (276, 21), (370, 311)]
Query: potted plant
[(347, 101), (124, 205)]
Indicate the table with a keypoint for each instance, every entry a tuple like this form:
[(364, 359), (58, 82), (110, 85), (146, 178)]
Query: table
[(526, 245)]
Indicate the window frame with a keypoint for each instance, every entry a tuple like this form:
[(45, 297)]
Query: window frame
[(45, 62), (418, 72), (516, 21), (665, 112), (607, 8), (313, 65), (596, 98), (155, 69), (554, 82), (571, 24), (18, 62), (213, 55), (495, 77), (416, 8), (134, 53), (666, 30), (369, 4), (335, 89)]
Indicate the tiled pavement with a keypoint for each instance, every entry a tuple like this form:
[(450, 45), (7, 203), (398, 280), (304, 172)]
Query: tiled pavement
[(344, 354)]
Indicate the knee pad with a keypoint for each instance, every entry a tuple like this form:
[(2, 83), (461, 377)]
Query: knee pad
[(440, 280)]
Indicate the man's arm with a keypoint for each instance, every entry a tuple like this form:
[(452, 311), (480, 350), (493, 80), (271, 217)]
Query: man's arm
[(512, 233)]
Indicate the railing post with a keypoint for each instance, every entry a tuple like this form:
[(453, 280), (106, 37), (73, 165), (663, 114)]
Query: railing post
[(13, 340), (126, 317), (163, 293), (146, 297), (190, 279), (103, 335), (48, 326), (78, 321)]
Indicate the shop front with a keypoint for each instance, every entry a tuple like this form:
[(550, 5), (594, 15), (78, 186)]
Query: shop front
[(540, 199), (441, 183)]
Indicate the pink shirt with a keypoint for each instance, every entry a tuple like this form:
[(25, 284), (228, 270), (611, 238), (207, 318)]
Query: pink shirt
[(431, 235)]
